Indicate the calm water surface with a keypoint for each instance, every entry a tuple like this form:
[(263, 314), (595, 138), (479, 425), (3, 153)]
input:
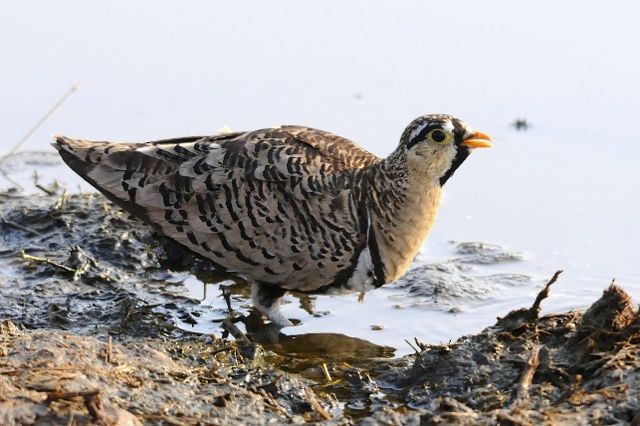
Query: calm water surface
[(564, 193)]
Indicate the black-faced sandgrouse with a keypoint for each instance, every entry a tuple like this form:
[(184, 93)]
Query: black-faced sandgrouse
[(286, 208)]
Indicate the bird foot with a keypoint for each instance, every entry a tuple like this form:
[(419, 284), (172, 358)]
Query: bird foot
[(266, 299), (276, 317)]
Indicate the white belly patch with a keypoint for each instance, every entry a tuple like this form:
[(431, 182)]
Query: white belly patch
[(362, 278)]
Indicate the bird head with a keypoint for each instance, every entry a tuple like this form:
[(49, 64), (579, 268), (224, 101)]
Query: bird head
[(435, 145)]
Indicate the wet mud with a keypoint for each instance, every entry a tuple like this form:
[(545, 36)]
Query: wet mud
[(449, 285), (92, 312)]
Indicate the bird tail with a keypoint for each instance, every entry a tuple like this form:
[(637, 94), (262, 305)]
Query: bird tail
[(101, 164), (80, 155), (89, 152)]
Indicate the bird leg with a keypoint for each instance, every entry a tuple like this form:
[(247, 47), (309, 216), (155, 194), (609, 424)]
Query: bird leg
[(226, 295), (266, 298)]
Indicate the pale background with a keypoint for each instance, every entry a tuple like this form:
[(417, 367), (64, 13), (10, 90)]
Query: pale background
[(566, 192)]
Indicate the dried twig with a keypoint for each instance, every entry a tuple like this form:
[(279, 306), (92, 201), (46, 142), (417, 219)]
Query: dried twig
[(317, 406), (45, 260), (544, 293), (234, 331), (624, 352), (17, 226), (522, 391), (40, 122), (37, 184), (57, 395), (412, 347), (43, 189), (222, 349), (325, 371), (109, 345), (420, 344)]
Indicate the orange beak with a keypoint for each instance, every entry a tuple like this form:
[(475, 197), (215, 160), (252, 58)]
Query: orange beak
[(478, 140)]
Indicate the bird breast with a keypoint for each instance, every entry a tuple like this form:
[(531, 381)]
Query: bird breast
[(400, 233)]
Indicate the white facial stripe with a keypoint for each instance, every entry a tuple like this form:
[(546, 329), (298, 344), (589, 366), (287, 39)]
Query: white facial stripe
[(447, 126), (417, 131)]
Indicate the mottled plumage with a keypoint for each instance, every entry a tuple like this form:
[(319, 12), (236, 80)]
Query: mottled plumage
[(287, 208)]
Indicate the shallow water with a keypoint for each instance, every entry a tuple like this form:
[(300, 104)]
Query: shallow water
[(564, 192)]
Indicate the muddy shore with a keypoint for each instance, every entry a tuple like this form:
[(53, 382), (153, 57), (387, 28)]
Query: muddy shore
[(89, 335)]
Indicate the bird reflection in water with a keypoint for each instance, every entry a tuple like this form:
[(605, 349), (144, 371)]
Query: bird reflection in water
[(270, 335), (328, 345)]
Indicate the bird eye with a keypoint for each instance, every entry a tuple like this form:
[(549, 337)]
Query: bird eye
[(438, 135)]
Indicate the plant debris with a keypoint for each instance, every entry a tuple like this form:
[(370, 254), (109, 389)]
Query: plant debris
[(88, 335)]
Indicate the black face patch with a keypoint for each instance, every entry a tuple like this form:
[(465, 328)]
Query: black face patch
[(461, 154), (458, 131), (420, 137)]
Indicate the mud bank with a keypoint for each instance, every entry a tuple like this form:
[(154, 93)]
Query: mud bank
[(89, 335), (55, 377)]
